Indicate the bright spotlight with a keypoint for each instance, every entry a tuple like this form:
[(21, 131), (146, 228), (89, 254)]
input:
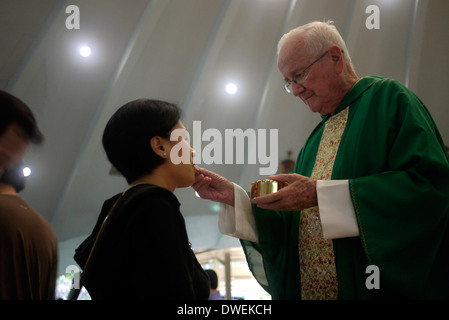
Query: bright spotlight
[(231, 88), (85, 51), (26, 171)]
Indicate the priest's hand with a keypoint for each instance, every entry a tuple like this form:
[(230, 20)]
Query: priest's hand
[(299, 194), (212, 186)]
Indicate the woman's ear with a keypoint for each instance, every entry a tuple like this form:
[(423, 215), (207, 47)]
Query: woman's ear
[(159, 147)]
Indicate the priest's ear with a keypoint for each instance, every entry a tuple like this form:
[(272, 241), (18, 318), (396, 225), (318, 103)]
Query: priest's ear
[(159, 146), (337, 58)]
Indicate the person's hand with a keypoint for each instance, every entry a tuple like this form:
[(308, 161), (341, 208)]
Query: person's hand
[(212, 186), (299, 194)]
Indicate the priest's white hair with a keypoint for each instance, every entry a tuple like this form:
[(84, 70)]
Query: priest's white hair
[(318, 36)]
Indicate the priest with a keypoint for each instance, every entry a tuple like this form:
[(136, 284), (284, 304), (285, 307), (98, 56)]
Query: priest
[(366, 211)]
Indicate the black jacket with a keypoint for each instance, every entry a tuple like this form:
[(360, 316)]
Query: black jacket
[(145, 252)]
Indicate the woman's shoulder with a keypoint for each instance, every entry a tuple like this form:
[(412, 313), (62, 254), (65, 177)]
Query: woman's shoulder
[(147, 205), (148, 197)]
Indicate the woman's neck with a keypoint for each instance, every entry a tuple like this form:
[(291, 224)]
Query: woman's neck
[(158, 178)]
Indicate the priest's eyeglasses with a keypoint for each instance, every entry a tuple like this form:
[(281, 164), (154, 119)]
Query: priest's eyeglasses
[(302, 76)]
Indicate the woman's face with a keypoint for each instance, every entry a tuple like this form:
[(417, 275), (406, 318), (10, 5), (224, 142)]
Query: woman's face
[(180, 156)]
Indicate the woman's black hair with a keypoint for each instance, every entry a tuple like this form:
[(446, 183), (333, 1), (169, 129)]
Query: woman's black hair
[(126, 138)]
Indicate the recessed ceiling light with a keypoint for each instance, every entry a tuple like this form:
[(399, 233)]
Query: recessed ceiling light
[(231, 88), (85, 51), (26, 171)]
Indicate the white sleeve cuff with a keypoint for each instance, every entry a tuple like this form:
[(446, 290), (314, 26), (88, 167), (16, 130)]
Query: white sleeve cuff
[(238, 221), (336, 210)]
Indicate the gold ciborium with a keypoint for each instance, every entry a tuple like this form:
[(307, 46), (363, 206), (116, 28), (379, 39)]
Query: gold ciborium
[(266, 186)]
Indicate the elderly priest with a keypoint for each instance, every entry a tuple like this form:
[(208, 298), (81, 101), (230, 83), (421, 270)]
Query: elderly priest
[(366, 211)]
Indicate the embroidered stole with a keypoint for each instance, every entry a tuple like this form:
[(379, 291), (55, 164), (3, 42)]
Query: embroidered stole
[(316, 254)]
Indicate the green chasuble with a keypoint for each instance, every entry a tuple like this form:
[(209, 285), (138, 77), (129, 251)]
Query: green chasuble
[(395, 160)]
